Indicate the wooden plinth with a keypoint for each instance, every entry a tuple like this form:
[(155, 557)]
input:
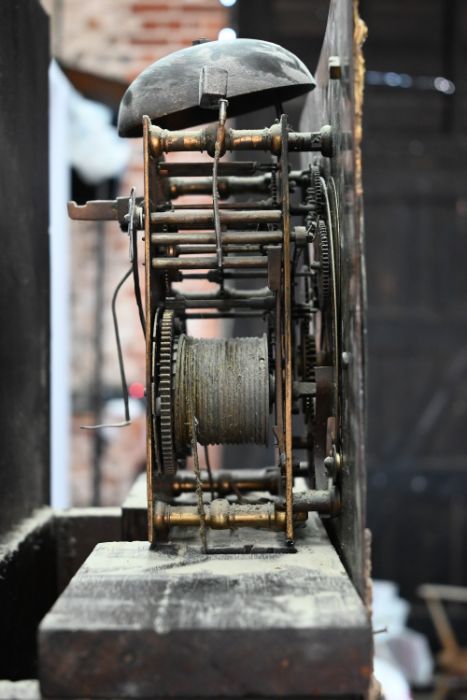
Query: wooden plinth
[(135, 512), (178, 623)]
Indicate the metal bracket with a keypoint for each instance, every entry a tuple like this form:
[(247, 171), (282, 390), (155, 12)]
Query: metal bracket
[(212, 86)]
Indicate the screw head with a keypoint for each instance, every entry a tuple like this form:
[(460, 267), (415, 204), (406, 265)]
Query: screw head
[(333, 462), (335, 68), (346, 357)]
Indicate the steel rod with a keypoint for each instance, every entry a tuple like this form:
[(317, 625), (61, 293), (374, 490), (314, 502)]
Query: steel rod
[(227, 186), (228, 293), (188, 249), (258, 205), (223, 482), (326, 502), (192, 218), (288, 398), (208, 263), (149, 318), (223, 314), (227, 168), (228, 237), (222, 304), (228, 275), (232, 169)]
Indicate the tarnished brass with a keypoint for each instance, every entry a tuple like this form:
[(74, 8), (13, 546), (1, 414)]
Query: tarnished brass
[(221, 515), (97, 210), (179, 186), (268, 139), (288, 370), (223, 482), (325, 501), (151, 447), (208, 391)]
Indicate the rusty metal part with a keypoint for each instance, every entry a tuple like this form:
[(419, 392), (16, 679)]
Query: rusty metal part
[(312, 195), (259, 74), (227, 186), (117, 209), (325, 272), (213, 83), (196, 218), (180, 303), (151, 442), (230, 293), (203, 248), (308, 349), (212, 276), (222, 515), (211, 390), (225, 298), (165, 384), (209, 263), (217, 315), (228, 237), (334, 463), (203, 379), (334, 244), (227, 383), (223, 482), (97, 210), (242, 173), (267, 139), (192, 169), (315, 179), (324, 410), (107, 210), (274, 283), (325, 501), (259, 205), (259, 238), (219, 148), (287, 315)]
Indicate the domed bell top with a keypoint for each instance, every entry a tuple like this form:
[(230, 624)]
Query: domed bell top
[(250, 73)]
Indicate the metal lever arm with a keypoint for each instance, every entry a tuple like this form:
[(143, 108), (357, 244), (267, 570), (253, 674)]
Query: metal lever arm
[(103, 210), (96, 210)]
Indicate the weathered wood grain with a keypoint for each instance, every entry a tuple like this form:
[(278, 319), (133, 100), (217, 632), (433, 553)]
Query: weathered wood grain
[(136, 622), (334, 102), (135, 512), (24, 262), (77, 531)]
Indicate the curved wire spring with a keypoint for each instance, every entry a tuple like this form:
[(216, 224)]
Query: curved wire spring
[(121, 365)]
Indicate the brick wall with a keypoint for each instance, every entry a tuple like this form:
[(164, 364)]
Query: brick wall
[(114, 38), (118, 38)]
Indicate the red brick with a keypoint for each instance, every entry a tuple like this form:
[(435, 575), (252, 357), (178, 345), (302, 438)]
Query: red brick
[(150, 7), (120, 40), (149, 42), (150, 24)]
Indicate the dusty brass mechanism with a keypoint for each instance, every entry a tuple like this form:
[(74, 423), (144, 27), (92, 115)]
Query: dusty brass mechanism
[(266, 248), (221, 515)]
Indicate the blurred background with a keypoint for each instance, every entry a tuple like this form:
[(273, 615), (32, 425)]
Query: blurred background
[(415, 193)]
